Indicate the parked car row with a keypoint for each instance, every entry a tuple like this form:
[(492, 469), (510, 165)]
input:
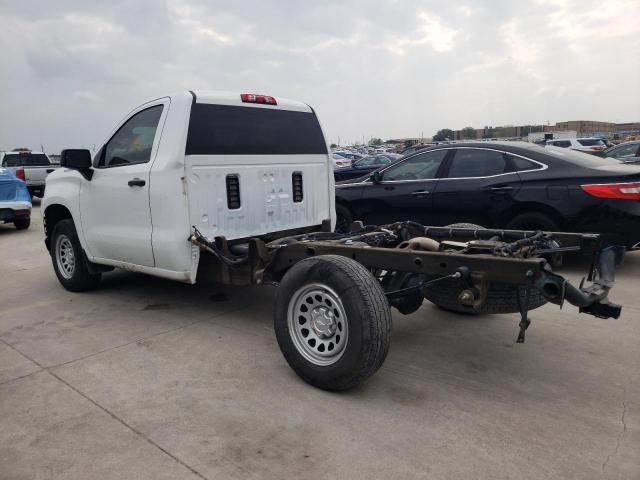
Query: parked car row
[(512, 185), (364, 166), (32, 167), (15, 201), (588, 145), (628, 152)]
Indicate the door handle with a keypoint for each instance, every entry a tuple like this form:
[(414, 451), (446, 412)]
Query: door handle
[(501, 189), (137, 182), (419, 193)]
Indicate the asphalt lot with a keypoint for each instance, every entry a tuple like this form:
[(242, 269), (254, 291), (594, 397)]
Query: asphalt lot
[(146, 378)]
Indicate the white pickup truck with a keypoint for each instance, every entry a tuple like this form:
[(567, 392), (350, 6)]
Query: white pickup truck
[(239, 188), (32, 167)]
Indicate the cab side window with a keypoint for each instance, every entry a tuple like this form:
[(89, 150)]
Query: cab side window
[(133, 142)]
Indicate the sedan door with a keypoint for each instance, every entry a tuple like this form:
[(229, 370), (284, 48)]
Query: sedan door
[(478, 186), (404, 192)]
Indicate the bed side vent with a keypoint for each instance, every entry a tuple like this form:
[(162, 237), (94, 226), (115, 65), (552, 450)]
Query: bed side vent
[(296, 182), (233, 192)]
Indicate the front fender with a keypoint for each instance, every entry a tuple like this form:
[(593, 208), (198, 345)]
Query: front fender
[(63, 189)]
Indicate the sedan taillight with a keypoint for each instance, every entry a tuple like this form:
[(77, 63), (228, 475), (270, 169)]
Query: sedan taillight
[(618, 191)]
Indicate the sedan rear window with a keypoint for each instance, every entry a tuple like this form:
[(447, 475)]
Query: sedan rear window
[(25, 160), (580, 158), (231, 130)]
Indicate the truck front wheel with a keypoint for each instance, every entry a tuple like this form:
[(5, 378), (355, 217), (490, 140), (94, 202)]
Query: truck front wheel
[(68, 259), (332, 322)]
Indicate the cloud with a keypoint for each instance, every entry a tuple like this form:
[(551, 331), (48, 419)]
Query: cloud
[(370, 68), (432, 33)]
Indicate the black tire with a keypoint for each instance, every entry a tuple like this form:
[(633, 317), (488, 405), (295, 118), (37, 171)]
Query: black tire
[(343, 219), (22, 223), (532, 221), (366, 328), (501, 297), (77, 278)]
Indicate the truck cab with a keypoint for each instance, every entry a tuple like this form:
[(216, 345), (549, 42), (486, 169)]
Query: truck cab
[(236, 166)]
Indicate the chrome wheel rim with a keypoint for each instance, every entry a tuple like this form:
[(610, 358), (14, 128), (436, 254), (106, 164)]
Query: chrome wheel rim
[(318, 324), (65, 256)]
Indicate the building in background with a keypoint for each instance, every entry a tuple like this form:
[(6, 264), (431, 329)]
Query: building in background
[(581, 128), (623, 130), (585, 128)]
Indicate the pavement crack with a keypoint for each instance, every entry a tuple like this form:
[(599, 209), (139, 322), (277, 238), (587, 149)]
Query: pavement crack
[(623, 431), (127, 425), (22, 353)]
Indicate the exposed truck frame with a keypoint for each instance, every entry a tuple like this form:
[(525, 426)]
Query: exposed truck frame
[(238, 188), (473, 258)]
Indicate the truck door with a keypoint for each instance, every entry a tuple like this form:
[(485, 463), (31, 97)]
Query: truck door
[(114, 205)]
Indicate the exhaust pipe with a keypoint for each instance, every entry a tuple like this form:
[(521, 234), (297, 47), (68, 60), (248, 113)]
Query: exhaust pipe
[(592, 299)]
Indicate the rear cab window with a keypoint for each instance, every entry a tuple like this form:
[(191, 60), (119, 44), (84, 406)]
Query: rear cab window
[(25, 160), (233, 130)]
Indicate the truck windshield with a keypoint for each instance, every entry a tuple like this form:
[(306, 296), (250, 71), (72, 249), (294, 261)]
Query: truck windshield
[(25, 159), (231, 130)]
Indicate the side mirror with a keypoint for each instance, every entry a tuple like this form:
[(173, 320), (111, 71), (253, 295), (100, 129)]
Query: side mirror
[(376, 177), (77, 159)]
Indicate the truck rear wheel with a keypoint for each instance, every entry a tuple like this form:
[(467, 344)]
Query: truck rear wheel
[(68, 259), (332, 322)]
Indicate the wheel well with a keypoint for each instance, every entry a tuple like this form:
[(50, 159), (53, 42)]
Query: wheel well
[(533, 208), (52, 215)]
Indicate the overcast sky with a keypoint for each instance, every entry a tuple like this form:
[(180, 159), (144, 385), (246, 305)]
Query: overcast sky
[(71, 69)]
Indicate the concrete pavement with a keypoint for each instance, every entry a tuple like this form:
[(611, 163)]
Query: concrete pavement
[(147, 378)]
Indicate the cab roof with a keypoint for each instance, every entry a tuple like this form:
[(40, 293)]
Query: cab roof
[(233, 98)]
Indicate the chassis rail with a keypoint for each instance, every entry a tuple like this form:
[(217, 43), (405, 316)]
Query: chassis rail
[(268, 262), (332, 313)]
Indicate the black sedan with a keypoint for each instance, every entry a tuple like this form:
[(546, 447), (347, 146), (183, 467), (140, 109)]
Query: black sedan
[(362, 166), (625, 152), (513, 185)]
